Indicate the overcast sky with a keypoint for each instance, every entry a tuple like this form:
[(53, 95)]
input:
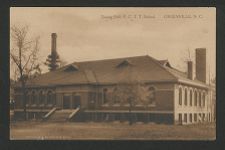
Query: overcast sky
[(101, 33)]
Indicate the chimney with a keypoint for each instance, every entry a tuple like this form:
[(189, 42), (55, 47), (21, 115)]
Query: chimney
[(54, 36), (190, 70), (201, 64)]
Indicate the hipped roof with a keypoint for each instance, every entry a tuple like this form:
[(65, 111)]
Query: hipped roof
[(113, 71)]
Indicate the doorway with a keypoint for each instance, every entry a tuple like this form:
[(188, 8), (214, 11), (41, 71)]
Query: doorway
[(71, 101), (66, 102), (76, 101)]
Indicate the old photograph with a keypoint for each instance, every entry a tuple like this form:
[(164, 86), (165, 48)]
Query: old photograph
[(112, 73)]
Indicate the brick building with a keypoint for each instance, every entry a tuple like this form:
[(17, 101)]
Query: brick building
[(84, 91)]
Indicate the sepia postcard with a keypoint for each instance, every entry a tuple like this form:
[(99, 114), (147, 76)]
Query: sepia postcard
[(112, 73)]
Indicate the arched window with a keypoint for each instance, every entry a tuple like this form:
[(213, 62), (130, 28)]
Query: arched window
[(190, 97), (41, 98), (195, 97), (151, 91), (203, 98), (49, 98), (27, 99), (33, 98), (200, 98), (185, 97), (36, 99), (105, 95), (115, 95), (180, 96)]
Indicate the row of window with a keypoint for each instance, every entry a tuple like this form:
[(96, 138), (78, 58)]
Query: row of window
[(117, 97), (195, 117), (196, 98), (40, 98)]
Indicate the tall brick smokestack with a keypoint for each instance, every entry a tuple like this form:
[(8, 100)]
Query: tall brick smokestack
[(54, 37), (53, 59), (201, 64), (190, 70)]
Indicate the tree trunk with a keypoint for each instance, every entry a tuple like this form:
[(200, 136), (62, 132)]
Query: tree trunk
[(24, 99)]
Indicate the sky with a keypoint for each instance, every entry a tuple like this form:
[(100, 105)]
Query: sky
[(93, 33)]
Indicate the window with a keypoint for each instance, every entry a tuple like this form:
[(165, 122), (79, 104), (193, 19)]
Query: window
[(200, 117), (33, 98), (18, 101), (203, 98), (100, 97), (180, 96), (190, 97), (151, 91), (190, 118), (209, 117), (41, 98), (27, 99), (105, 96), (200, 99), (115, 96), (203, 117), (195, 117), (49, 98), (180, 118), (185, 118), (195, 98), (92, 97), (185, 97)]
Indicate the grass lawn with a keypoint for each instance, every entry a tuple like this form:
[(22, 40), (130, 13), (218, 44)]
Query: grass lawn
[(109, 131)]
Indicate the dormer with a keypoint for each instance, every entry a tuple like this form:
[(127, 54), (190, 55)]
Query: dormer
[(124, 63), (71, 67), (165, 63)]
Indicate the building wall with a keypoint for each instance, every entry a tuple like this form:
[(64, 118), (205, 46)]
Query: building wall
[(163, 94), (163, 98), (167, 100), (187, 113)]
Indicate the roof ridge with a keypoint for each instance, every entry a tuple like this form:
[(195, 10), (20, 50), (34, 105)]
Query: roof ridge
[(111, 59)]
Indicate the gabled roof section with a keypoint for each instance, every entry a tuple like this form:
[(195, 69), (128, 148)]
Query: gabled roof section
[(71, 67)]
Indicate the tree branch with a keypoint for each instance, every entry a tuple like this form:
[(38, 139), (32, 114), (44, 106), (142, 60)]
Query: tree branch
[(14, 59)]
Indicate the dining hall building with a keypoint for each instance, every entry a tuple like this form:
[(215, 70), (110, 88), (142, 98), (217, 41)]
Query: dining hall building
[(140, 87)]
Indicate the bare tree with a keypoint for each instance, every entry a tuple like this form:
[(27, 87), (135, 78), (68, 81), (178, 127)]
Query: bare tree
[(186, 55), (23, 53), (130, 91)]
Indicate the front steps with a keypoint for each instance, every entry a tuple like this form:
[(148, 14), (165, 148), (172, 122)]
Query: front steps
[(62, 115)]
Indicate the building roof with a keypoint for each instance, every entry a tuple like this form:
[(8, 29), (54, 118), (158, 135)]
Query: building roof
[(112, 71)]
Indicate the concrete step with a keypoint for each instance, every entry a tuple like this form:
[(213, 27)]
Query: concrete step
[(60, 116)]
